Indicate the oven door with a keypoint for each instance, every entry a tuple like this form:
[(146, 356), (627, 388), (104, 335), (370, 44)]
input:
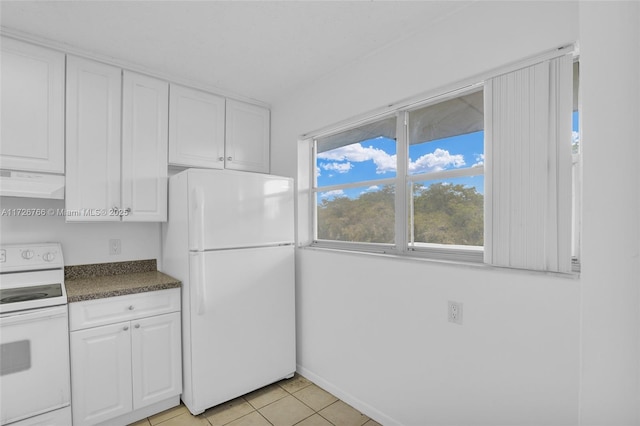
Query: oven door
[(34, 362)]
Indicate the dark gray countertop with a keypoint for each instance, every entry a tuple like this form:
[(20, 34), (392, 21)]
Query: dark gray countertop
[(96, 281)]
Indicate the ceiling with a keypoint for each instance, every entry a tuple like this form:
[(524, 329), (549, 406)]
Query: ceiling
[(262, 50)]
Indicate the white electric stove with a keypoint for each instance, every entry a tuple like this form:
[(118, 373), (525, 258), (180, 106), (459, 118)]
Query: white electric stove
[(34, 336)]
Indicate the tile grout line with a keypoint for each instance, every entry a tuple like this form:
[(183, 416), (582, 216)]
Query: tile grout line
[(312, 409), (320, 414), (302, 382), (268, 421)]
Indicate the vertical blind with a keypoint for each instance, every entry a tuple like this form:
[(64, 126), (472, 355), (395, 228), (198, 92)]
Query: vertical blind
[(528, 167)]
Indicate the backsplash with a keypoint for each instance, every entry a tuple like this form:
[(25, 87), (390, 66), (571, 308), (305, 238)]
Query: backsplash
[(112, 268)]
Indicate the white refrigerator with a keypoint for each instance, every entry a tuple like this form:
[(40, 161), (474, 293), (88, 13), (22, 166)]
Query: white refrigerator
[(229, 239)]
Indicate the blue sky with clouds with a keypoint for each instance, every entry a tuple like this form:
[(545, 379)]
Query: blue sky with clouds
[(376, 159)]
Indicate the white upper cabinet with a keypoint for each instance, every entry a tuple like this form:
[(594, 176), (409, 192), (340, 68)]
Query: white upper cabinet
[(93, 140), (208, 131), (247, 137), (145, 115), (196, 128), (32, 93), (113, 176)]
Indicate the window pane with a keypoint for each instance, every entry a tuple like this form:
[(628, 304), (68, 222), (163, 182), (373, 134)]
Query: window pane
[(447, 135), (357, 155), (363, 214), (448, 212)]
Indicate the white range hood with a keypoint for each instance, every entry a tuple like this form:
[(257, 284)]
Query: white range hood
[(32, 185)]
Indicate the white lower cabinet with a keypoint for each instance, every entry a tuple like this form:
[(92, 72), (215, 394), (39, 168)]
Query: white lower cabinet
[(101, 373), (155, 356), (121, 371)]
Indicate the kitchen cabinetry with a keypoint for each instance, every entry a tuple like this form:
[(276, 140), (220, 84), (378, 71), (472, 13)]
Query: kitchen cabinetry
[(32, 87), (145, 109), (115, 170), (125, 357), (207, 131), (93, 139), (196, 128), (247, 137)]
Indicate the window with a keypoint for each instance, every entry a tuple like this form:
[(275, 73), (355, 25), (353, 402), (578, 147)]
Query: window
[(436, 153), (355, 173), (445, 174), (417, 181)]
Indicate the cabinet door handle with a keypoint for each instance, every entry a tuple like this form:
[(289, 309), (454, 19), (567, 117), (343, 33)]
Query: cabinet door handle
[(131, 307), (137, 326), (220, 158), (125, 328), (229, 158)]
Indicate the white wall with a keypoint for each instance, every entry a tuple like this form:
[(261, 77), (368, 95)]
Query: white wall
[(373, 330), (82, 243), (610, 69)]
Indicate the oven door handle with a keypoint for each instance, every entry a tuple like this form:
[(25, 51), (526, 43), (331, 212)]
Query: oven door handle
[(33, 315)]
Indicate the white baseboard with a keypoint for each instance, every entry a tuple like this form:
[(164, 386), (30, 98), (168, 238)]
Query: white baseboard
[(356, 403)]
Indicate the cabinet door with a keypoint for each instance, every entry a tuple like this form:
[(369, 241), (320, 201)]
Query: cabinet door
[(156, 358), (145, 115), (196, 128), (100, 373), (93, 140), (32, 93), (247, 137)]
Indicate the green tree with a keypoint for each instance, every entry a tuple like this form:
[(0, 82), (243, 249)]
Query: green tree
[(368, 218), (443, 214), (448, 214)]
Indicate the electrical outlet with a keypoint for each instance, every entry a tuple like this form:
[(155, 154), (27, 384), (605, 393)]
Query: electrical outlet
[(455, 312), (115, 247)]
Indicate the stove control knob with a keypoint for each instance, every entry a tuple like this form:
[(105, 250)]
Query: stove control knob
[(27, 254), (49, 257)]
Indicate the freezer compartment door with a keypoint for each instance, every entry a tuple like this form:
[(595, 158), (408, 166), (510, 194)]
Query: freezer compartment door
[(242, 322), (231, 209)]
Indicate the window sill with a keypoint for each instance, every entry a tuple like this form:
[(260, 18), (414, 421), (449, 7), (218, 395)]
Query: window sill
[(411, 257)]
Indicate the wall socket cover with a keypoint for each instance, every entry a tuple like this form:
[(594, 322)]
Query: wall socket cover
[(455, 312)]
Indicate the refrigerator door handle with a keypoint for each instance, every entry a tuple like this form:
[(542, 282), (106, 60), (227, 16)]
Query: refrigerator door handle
[(201, 286), (200, 208)]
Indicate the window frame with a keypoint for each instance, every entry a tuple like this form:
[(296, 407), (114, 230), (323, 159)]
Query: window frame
[(402, 182), (348, 245)]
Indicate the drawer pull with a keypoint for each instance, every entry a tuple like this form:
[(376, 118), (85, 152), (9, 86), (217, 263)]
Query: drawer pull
[(125, 328), (131, 307), (137, 325)]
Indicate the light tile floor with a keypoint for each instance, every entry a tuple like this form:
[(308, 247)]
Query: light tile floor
[(296, 401)]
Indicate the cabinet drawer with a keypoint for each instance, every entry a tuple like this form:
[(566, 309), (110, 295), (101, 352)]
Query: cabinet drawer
[(93, 313)]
